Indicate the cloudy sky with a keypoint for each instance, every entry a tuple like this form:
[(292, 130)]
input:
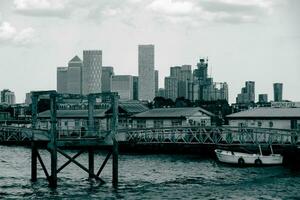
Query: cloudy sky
[(255, 40)]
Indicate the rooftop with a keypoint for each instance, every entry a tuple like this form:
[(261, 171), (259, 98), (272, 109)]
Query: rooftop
[(172, 112), (267, 112), (75, 59), (73, 113)]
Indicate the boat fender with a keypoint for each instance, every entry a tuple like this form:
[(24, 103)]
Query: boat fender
[(241, 161), (258, 162)]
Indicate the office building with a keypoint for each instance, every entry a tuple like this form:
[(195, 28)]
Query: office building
[(247, 94), (135, 87), (263, 98), (146, 72), (277, 91), (69, 79), (74, 82), (106, 78), (91, 72), (171, 88), (8, 97), (123, 84), (156, 82), (203, 87), (62, 80)]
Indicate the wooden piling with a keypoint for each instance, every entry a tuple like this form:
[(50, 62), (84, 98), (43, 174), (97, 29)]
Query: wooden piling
[(91, 163), (53, 139), (34, 99), (114, 128), (91, 107)]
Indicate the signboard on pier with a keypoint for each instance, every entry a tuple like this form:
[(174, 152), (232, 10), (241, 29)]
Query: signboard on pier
[(285, 104)]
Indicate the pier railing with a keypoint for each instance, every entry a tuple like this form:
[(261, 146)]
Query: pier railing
[(212, 135)]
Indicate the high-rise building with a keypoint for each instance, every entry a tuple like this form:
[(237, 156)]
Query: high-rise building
[(91, 72), (3, 95), (74, 79), (202, 78), (156, 82), (247, 94), (203, 88), (171, 88), (161, 92), (106, 78), (28, 98), (135, 87), (123, 84), (62, 80), (277, 91), (185, 77), (146, 72), (69, 79), (263, 98), (8, 97)]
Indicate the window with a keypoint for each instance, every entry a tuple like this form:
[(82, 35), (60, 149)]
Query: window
[(259, 124), (176, 122), (158, 123), (76, 123), (203, 122), (141, 123), (271, 124)]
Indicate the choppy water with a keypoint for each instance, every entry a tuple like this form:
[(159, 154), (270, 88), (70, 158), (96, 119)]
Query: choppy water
[(147, 177)]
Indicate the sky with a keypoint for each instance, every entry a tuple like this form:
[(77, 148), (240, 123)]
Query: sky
[(257, 40)]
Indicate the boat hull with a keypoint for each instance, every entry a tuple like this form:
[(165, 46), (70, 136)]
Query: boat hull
[(249, 159)]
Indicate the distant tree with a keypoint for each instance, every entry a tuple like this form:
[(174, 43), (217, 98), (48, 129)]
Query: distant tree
[(169, 103), (159, 102), (183, 102)]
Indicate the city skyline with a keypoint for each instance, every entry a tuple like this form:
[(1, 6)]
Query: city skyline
[(249, 39)]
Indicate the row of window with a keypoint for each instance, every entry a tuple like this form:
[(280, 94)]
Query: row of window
[(259, 124)]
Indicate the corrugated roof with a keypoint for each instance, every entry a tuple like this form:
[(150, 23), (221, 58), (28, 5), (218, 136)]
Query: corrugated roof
[(73, 113), (172, 112), (133, 107), (267, 113)]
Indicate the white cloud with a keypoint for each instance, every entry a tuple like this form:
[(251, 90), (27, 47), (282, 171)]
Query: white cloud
[(25, 37), (171, 7), (10, 36), (194, 12), (7, 31), (56, 8)]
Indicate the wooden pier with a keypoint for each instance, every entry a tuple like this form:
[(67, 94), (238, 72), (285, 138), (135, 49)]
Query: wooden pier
[(89, 143)]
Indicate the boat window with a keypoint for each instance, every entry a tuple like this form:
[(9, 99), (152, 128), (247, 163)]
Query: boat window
[(270, 124)]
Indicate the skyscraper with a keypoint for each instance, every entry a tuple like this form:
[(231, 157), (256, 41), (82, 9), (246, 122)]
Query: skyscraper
[(62, 80), (8, 97), (91, 72), (156, 82), (146, 72), (263, 98), (123, 84), (277, 91), (74, 82), (171, 88), (185, 77), (106, 78), (247, 94), (135, 87)]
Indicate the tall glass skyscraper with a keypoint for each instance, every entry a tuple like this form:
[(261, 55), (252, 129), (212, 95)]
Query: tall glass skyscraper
[(91, 72), (146, 72), (277, 91)]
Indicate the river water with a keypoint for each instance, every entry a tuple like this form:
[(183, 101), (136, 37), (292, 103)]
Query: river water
[(147, 177)]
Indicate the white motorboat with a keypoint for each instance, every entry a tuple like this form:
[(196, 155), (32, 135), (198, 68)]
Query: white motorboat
[(247, 158)]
